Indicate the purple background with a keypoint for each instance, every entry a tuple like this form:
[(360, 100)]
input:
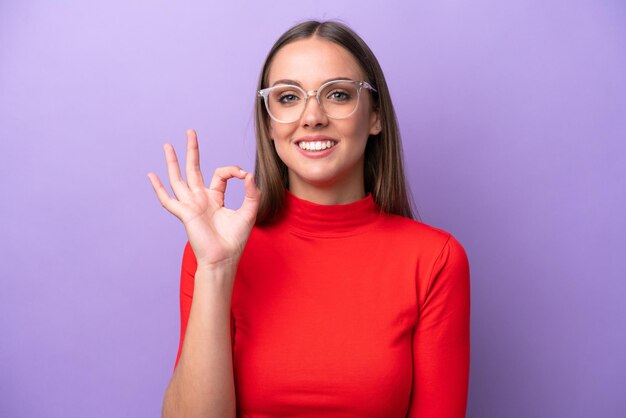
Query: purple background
[(513, 116)]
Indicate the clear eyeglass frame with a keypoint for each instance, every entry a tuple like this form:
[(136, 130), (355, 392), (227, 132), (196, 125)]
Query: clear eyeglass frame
[(264, 93)]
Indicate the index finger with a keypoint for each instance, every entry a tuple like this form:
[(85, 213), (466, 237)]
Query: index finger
[(222, 175)]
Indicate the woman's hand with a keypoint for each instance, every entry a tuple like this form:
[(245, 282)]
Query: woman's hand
[(217, 234)]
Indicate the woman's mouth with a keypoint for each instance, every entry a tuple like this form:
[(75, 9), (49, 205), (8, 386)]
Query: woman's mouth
[(316, 145)]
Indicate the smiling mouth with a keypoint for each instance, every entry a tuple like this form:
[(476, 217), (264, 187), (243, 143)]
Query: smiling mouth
[(316, 145)]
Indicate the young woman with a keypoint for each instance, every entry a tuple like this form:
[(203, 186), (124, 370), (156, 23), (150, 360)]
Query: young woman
[(320, 296)]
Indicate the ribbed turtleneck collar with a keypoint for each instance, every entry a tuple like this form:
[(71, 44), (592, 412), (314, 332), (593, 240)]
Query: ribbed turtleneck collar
[(330, 220)]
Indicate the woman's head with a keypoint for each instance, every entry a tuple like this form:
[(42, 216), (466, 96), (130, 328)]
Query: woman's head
[(366, 147)]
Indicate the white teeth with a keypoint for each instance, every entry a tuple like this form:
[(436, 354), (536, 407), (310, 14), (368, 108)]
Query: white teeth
[(317, 145)]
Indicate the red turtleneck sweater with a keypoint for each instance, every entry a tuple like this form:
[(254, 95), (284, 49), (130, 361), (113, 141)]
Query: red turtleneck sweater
[(343, 311)]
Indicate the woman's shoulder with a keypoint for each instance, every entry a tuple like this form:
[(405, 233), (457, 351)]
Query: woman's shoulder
[(414, 233), (411, 227)]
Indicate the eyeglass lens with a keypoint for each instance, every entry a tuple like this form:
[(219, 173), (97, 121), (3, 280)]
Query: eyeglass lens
[(338, 100)]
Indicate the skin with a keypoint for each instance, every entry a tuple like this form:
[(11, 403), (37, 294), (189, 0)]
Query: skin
[(337, 178), (202, 384)]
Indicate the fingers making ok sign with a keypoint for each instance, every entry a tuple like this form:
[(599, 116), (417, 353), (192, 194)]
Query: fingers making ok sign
[(216, 234)]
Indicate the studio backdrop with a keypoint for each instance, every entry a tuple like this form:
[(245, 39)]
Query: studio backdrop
[(513, 120)]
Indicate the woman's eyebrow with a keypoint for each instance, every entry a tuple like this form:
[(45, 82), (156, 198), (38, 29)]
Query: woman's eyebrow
[(297, 83)]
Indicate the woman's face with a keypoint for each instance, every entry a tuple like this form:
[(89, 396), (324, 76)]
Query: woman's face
[(336, 173)]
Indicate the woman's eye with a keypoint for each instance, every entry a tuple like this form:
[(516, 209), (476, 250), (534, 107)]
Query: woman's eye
[(339, 96), (287, 98)]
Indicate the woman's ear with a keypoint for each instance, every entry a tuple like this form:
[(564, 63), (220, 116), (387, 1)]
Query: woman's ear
[(375, 124)]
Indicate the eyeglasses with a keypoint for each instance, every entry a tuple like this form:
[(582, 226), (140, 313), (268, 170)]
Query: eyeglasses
[(338, 99)]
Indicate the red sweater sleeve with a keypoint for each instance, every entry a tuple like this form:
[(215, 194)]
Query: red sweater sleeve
[(441, 338), (187, 275)]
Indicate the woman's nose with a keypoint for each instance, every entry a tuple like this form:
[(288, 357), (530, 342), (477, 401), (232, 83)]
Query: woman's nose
[(313, 114)]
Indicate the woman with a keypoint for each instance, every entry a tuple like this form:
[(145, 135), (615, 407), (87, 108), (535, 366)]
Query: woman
[(320, 296)]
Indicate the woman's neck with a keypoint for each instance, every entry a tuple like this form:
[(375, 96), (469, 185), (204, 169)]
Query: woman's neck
[(338, 193)]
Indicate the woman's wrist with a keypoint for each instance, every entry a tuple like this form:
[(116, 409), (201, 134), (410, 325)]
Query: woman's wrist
[(220, 267), (220, 274)]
